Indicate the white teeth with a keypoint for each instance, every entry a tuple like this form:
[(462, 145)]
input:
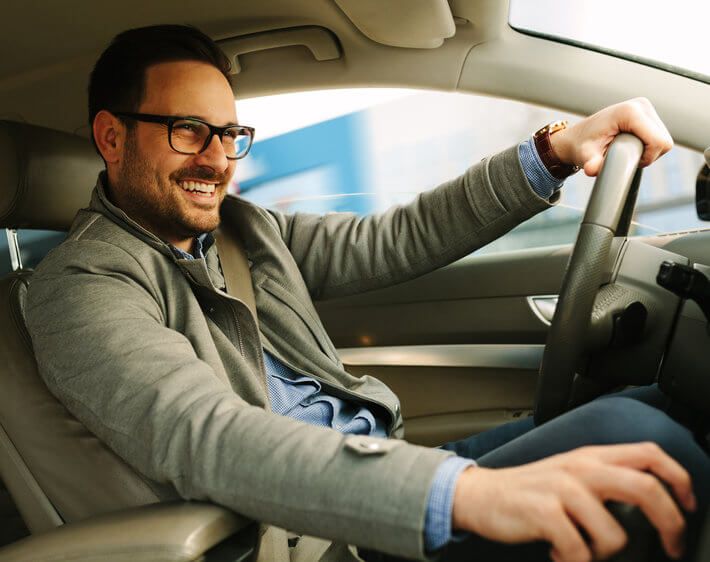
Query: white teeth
[(197, 186)]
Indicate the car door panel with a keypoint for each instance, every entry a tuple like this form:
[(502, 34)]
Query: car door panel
[(460, 346)]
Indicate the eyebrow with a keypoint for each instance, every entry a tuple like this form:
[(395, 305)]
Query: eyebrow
[(228, 124)]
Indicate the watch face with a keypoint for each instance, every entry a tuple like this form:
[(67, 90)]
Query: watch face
[(557, 126), (551, 128)]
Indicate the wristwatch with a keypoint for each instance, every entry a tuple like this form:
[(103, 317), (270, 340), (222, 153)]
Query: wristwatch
[(554, 165)]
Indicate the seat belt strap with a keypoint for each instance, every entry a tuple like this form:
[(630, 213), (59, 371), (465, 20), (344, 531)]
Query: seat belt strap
[(235, 268), (273, 543)]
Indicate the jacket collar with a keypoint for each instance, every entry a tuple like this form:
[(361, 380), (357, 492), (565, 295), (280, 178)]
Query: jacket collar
[(101, 203), (197, 270)]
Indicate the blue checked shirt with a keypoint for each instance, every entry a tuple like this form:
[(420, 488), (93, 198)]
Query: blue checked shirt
[(302, 397)]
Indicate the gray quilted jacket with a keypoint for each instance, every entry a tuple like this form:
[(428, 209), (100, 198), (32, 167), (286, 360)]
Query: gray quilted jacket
[(162, 365)]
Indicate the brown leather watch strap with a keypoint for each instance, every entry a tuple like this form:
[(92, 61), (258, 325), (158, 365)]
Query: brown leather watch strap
[(554, 165)]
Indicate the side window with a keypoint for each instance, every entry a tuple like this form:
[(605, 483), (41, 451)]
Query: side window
[(34, 245), (364, 150)]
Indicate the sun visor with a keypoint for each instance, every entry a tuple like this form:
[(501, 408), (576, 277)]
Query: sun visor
[(47, 176), (413, 24)]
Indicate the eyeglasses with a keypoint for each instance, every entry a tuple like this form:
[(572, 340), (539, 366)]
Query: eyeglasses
[(189, 135)]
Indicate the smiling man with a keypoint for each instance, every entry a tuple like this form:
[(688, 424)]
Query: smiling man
[(174, 197), (135, 334)]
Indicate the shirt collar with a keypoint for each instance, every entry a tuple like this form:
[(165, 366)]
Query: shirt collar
[(200, 245)]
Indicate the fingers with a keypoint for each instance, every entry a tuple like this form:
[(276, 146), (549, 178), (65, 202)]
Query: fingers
[(645, 491), (605, 533), (639, 117), (630, 474), (567, 544), (650, 457), (593, 135), (663, 133)]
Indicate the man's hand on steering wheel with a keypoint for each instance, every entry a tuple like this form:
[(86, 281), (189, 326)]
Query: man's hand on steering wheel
[(611, 145), (585, 143)]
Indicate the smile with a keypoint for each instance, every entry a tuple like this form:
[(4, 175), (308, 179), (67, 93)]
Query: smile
[(199, 188)]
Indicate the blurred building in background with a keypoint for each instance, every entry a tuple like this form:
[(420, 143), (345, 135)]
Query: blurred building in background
[(403, 142)]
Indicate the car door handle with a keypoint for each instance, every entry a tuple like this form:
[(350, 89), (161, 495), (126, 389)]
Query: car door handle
[(543, 306)]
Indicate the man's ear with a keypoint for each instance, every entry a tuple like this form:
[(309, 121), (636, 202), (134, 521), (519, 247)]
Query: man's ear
[(109, 136)]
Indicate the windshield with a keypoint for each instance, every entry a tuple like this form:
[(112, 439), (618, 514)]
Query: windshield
[(668, 35)]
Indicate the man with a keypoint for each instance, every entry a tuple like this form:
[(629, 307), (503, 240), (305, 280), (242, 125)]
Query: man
[(134, 334)]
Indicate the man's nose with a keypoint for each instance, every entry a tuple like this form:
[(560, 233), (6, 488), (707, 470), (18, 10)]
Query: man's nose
[(213, 156)]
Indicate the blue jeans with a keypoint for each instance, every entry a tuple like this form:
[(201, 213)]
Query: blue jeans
[(640, 414)]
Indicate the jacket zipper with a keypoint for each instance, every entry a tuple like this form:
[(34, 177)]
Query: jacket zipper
[(240, 341), (239, 331)]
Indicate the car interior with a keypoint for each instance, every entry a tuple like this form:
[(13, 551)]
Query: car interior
[(462, 346)]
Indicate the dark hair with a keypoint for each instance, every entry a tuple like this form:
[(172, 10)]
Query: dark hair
[(117, 82)]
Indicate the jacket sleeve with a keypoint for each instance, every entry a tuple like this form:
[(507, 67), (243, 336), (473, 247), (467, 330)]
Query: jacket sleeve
[(103, 349), (340, 253)]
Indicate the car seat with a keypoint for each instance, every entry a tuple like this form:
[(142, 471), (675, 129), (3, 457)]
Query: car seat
[(74, 494)]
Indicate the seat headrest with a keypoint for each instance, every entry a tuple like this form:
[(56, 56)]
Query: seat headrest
[(48, 175)]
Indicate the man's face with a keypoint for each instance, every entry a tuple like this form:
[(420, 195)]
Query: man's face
[(151, 181)]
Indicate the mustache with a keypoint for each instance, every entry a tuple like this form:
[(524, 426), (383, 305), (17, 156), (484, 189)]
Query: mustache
[(207, 174)]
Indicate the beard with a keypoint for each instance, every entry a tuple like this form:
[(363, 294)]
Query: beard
[(155, 202)]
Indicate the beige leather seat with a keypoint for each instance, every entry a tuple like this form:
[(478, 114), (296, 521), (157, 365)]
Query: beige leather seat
[(62, 479)]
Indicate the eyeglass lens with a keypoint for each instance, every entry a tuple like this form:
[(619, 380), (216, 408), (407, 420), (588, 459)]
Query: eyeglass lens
[(189, 137)]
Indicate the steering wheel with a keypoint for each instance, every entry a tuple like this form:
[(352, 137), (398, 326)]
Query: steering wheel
[(608, 213)]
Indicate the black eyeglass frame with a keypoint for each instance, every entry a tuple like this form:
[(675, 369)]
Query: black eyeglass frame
[(169, 121)]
